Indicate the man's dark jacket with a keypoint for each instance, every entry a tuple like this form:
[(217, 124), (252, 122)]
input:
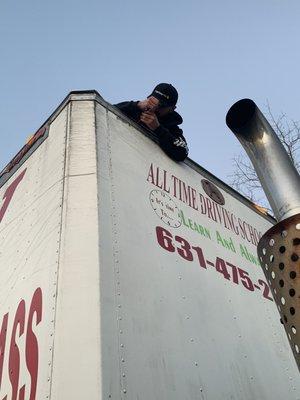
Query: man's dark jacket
[(169, 135)]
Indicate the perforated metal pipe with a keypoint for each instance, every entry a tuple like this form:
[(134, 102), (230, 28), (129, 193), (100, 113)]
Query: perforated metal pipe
[(279, 248), (279, 255)]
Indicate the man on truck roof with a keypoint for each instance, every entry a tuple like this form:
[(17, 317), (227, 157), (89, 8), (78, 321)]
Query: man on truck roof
[(157, 113)]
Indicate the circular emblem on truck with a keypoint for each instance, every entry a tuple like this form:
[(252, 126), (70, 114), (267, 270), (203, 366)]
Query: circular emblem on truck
[(165, 208), (213, 192)]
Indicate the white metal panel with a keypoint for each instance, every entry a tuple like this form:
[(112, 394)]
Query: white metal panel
[(29, 243), (109, 259), (77, 354), (135, 321), (171, 328)]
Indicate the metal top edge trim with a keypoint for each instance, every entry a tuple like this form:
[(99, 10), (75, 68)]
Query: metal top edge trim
[(93, 95)]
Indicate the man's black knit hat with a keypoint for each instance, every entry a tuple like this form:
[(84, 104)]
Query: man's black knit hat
[(166, 94)]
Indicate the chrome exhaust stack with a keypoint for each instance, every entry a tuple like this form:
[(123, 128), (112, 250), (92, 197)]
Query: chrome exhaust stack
[(279, 248), (278, 176)]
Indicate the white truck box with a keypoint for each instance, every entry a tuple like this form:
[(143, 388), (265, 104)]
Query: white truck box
[(126, 275)]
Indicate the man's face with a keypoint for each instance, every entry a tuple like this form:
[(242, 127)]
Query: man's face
[(161, 111)]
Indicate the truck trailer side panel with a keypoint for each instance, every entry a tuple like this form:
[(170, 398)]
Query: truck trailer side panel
[(125, 275), (185, 328), (29, 247)]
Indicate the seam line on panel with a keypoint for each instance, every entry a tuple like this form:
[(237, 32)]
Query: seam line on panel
[(67, 134), (74, 175), (98, 233), (117, 272)]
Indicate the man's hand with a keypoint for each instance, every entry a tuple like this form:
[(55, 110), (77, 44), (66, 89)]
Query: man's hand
[(150, 120), (150, 104)]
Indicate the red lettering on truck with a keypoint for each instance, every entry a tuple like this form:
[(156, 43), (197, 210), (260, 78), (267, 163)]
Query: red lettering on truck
[(14, 353), (32, 347), (22, 325), (8, 195), (2, 344)]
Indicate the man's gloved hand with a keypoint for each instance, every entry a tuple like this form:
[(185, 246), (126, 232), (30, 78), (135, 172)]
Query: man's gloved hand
[(150, 120)]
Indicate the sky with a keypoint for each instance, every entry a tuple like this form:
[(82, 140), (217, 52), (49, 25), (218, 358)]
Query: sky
[(213, 52)]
